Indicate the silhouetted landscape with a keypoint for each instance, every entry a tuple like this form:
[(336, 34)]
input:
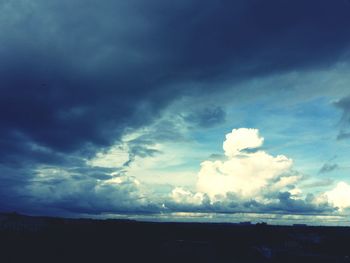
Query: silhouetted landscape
[(49, 239)]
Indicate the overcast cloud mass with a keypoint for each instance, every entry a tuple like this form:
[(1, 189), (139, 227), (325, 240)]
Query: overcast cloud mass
[(123, 107)]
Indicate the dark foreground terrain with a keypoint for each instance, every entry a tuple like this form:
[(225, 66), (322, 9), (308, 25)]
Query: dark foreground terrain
[(43, 239)]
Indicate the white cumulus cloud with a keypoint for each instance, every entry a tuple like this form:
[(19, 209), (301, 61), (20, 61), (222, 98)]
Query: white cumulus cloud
[(246, 174), (240, 139), (181, 195), (340, 195)]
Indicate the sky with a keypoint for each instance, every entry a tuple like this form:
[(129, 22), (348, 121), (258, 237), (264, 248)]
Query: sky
[(176, 110)]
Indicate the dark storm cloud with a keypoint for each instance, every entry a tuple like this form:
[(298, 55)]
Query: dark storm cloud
[(344, 105), (328, 168), (75, 75), (343, 135), (13, 196), (289, 205), (139, 148), (78, 73), (207, 117)]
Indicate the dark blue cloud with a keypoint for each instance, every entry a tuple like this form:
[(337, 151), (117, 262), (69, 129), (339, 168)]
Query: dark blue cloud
[(344, 105), (206, 117), (328, 168), (74, 74)]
